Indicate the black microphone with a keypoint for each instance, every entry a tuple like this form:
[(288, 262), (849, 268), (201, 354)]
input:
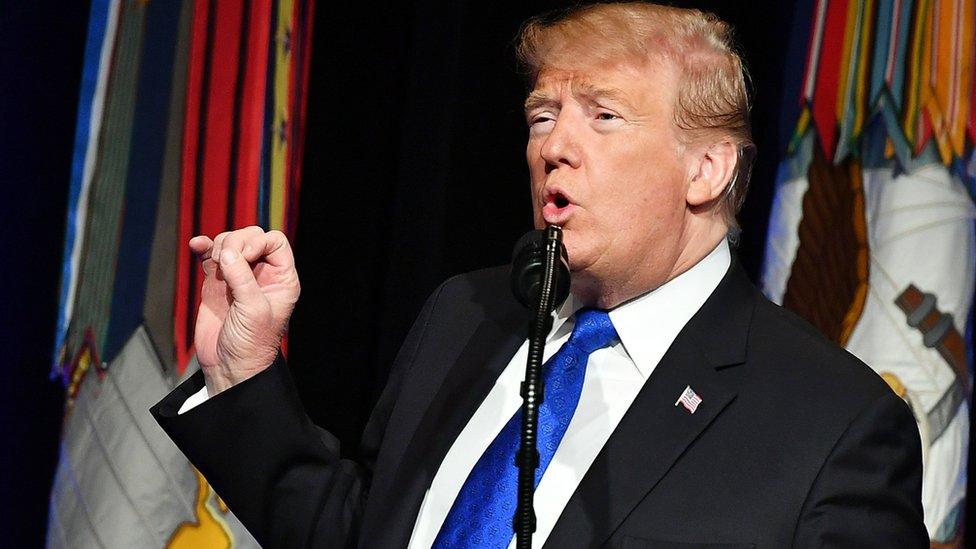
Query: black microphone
[(540, 281), (529, 267)]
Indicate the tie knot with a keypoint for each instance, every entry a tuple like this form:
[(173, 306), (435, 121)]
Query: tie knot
[(593, 330)]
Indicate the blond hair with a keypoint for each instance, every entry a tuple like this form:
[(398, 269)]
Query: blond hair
[(712, 99)]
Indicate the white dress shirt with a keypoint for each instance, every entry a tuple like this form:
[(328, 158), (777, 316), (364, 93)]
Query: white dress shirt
[(614, 375)]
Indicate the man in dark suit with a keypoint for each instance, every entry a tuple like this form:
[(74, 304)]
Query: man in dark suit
[(685, 411)]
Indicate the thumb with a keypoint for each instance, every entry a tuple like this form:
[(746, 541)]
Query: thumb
[(239, 278)]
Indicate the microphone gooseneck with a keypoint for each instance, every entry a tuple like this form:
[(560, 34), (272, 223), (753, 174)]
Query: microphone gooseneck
[(540, 281)]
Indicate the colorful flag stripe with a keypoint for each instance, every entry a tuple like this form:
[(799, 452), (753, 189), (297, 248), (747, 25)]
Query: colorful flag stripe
[(103, 21), (150, 118), (241, 161), (908, 62)]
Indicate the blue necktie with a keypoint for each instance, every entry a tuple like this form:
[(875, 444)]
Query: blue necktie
[(483, 512)]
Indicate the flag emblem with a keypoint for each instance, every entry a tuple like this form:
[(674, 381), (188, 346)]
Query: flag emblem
[(689, 399)]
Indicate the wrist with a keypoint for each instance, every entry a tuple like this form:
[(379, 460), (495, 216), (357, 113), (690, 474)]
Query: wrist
[(216, 384), (221, 377)]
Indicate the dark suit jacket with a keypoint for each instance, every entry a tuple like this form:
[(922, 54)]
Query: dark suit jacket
[(796, 442)]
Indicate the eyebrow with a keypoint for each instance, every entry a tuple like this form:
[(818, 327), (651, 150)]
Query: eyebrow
[(538, 99), (584, 90)]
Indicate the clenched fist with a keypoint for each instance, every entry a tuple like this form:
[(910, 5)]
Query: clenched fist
[(249, 291)]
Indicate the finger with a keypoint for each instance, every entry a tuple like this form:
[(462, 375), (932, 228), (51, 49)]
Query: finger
[(276, 250), (218, 244), (201, 246), (239, 277), (247, 241)]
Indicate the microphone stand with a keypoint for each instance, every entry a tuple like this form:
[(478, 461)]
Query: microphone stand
[(533, 390)]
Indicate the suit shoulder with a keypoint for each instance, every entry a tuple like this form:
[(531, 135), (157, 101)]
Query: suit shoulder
[(796, 353), (483, 285), (475, 295), (491, 279), (805, 392)]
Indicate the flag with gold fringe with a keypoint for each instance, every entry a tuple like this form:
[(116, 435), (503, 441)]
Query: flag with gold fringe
[(871, 234), (190, 120)]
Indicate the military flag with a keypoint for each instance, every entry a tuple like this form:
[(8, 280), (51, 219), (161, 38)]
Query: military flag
[(190, 120), (871, 234)]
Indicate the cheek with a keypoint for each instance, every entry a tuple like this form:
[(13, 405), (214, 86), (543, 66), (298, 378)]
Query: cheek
[(656, 181), (647, 206), (537, 166), (533, 150)]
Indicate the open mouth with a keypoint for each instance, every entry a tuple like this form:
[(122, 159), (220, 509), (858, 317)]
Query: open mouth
[(557, 199), (557, 207)]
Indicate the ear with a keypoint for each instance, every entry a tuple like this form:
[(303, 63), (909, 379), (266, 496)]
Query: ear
[(712, 173)]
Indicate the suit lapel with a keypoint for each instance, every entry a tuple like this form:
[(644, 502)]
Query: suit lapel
[(654, 432), (649, 439), (465, 386)]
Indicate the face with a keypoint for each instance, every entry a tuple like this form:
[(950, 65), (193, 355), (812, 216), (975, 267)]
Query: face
[(606, 165)]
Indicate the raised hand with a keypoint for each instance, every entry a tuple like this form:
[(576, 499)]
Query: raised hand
[(249, 292)]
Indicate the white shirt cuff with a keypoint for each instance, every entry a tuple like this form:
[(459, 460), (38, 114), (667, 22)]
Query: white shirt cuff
[(195, 400)]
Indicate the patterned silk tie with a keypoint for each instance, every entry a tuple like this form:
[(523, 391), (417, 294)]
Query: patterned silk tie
[(483, 512)]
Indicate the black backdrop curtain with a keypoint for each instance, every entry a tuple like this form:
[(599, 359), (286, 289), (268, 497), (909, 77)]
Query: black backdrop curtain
[(41, 48), (414, 171)]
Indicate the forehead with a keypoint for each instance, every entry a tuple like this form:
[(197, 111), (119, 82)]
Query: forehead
[(637, 85)]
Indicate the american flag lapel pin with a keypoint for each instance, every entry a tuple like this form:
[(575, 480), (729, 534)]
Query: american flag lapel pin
[(689, 399)]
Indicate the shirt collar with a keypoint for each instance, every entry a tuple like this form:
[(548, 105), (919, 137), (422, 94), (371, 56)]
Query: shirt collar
[(648, 324), (563, 313)]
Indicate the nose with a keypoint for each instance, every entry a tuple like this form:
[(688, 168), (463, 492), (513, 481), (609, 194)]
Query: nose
[(561, 147)]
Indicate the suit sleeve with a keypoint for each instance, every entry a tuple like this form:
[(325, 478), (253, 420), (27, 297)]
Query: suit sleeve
[(868, 492), (281, 475)]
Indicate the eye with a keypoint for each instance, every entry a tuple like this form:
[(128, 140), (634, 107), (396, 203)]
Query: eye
[(540, 118), (606, 116), (541, 123)]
